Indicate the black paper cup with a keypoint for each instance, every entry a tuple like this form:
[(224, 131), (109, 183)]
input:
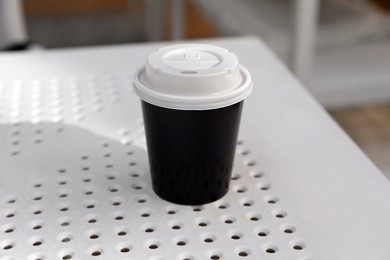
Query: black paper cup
[(191, 152), (191, 127)]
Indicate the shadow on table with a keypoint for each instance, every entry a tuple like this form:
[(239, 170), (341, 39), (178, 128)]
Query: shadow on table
[(69, 170)]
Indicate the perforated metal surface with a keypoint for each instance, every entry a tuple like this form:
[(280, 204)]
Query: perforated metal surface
[(68, 193), (75, 184)]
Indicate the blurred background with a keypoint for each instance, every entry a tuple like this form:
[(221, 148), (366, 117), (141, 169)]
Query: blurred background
[(339, 49)]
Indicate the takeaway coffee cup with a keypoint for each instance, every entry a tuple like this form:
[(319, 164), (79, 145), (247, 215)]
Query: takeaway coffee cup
[(192, 97)]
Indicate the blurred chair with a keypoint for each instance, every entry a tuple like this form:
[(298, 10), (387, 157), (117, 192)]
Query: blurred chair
[(241, 16), (13, 35), (303, 35), (303, 42), (155, 20)]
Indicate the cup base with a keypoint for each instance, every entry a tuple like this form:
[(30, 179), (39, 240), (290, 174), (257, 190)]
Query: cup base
[(189, 199)]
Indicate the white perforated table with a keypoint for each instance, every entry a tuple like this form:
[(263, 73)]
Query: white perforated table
[(74, 180)]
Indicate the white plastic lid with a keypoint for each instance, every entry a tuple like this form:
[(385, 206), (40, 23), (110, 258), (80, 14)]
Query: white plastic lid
[(192, 77)]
